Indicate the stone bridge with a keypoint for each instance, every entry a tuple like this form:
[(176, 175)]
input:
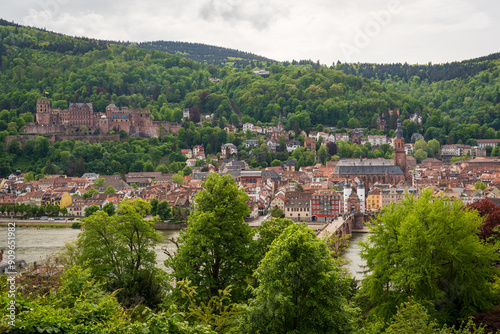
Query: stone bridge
[(338, 229)]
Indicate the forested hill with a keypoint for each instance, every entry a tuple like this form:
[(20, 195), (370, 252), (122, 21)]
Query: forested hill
[(208, 54), (34, 62), (84, 70), (429, 72)]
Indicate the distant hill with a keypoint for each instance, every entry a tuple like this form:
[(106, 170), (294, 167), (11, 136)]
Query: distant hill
[(206, 54), (429, 72)]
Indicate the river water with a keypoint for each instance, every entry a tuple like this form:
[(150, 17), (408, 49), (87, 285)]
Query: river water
[(34, 245)]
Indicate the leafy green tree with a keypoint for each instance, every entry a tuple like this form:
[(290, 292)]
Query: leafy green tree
[(178, 178), (413, 318), (154, 205), (187, 171), (98, 183), (420, 155), (420, 145), (301, 289), (214, 250), (134, 185), (480, 186), (109, 208), (121, 248), (90, 210), (268, 231), (275, 163), (323, 154), (110, 190), (276, 212), (163, 210), (29, 176), (496, 151), (434, 147), (428, 249), (89, 193), (50, 168)]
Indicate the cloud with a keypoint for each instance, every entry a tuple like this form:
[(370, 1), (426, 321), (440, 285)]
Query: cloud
[(259, 13)]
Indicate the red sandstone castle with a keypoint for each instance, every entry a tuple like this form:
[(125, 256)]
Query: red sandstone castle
[(80, 118)]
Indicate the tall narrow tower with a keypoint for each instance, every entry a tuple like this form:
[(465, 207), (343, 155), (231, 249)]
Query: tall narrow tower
[(43, 111), (399, 148)]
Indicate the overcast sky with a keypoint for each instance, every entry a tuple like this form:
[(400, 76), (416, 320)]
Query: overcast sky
[(379, 31)]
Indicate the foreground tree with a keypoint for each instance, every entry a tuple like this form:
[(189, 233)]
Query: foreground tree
[(121, 249), (301, 289), (428, 249), (214, 250), (268, 231), (491, 213)]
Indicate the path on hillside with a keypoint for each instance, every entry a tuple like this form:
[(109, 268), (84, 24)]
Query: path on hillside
[(235, 109)]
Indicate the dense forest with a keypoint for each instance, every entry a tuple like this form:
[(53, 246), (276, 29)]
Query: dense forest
[(430, 72), (207, 54)]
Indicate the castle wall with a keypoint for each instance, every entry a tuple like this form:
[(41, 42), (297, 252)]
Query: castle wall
[(133, 121)]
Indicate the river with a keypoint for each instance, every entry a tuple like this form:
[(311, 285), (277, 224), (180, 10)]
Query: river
[(34, 245)]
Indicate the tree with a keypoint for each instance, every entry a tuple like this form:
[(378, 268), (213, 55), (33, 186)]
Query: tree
[(434, 147), (275, 163), (89, 193), (29, 176), (420, 155), (496, 151), (276, 212), (163, 210), (90, 210), (480, 186), (428, 249), (109, 208), (332, 148), (214, 250), (50, 168), (187, 171), (110, 190), (268, 231), (154, 205), (323, 154), (420, 145), (301, 289), (98, 183), (178, 178), (491, 213), (121, 249), (298, 187)]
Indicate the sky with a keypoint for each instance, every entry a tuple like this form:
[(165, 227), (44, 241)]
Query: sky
[(374, 31)]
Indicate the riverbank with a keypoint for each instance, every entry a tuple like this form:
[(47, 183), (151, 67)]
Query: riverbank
[(23, 223)]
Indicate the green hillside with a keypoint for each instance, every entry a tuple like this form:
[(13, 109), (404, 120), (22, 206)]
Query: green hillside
[(208, 54), (461, 99), (35, 63)]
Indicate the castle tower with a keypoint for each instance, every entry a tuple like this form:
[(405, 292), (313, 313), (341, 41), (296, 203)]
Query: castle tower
[(346, 192), (399, 148), (43, 110), (361, 196)]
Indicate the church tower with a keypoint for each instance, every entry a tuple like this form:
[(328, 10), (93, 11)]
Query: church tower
[(399, 148)]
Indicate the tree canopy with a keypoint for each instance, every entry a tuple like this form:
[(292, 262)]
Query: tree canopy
[(428, 249), (214, 250), (301, 289)]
